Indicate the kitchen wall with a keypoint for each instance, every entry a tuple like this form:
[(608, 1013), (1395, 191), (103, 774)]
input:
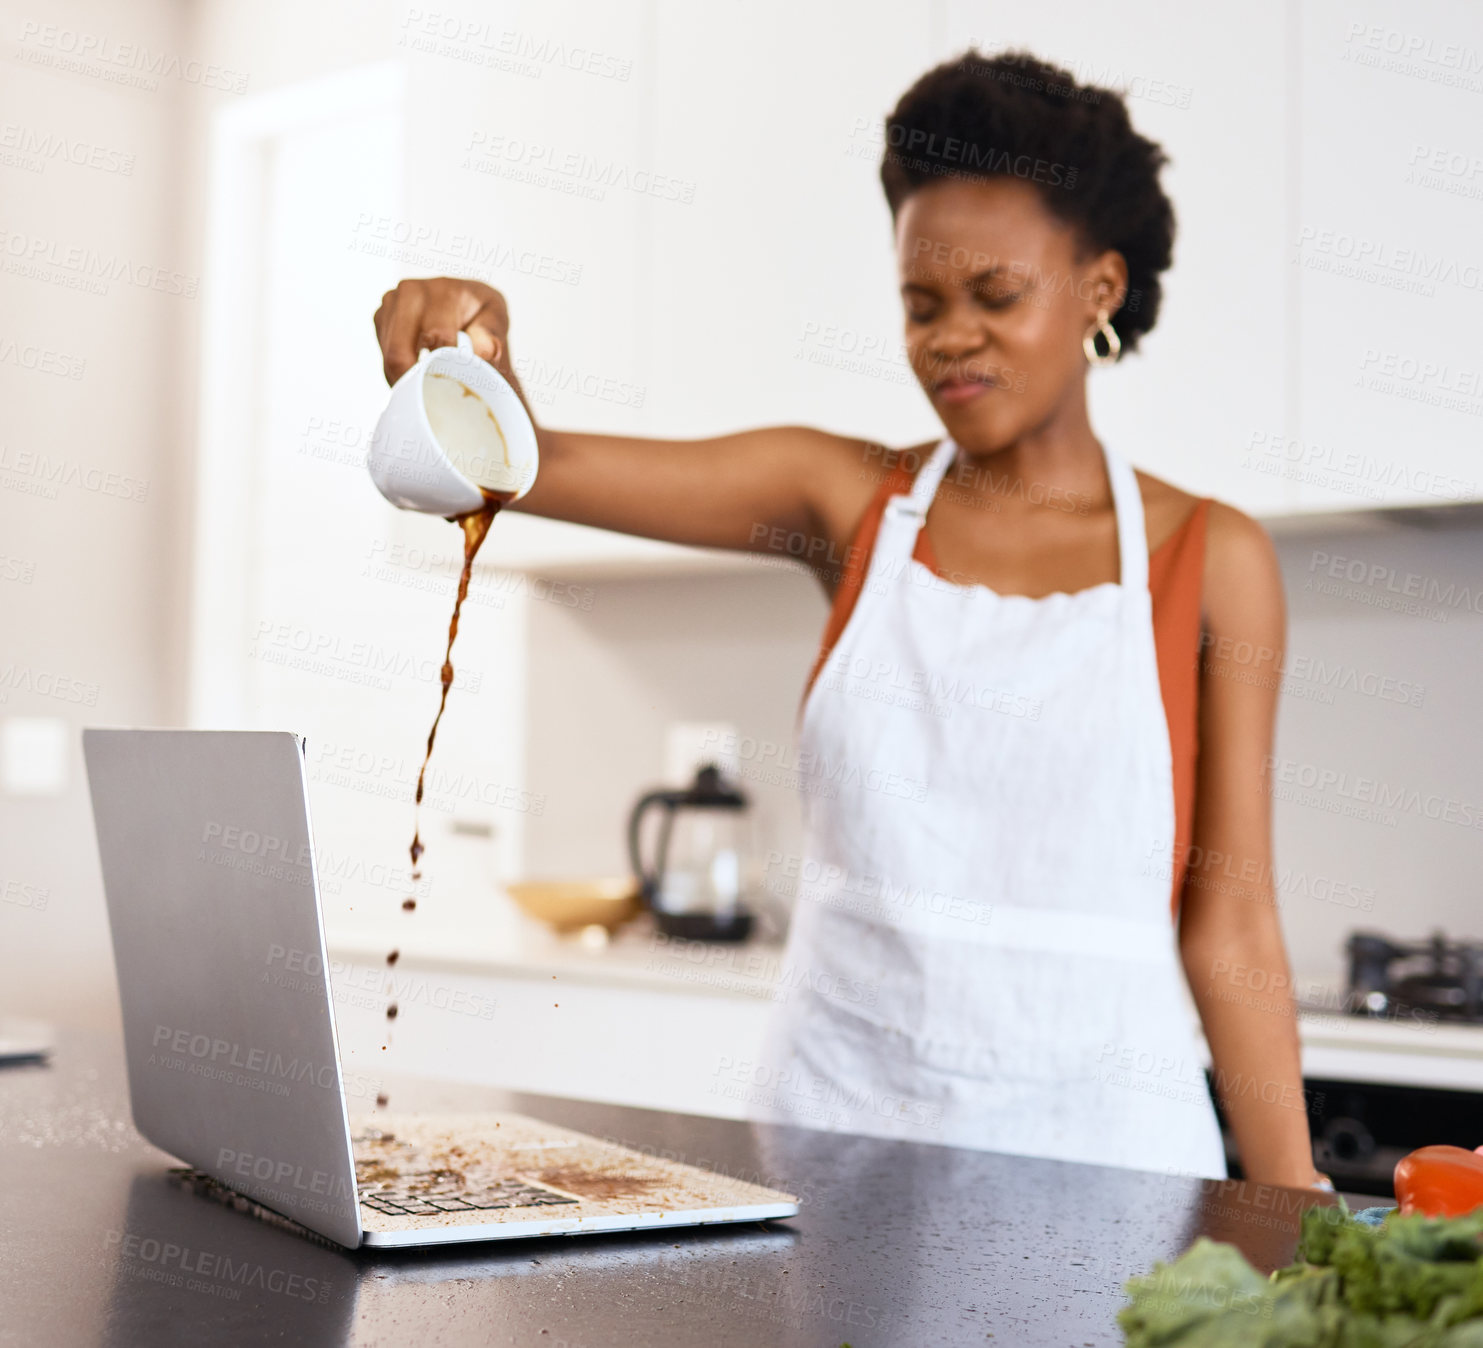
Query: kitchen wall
[(1377, 809), (1317, 323), (97, 286), (648, 654)]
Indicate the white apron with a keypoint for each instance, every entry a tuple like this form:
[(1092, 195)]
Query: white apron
[(981, 951)]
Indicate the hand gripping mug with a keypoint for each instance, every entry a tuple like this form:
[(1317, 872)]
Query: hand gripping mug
[(452, 427)]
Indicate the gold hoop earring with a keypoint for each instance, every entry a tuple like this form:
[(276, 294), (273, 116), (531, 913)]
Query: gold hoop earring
[(1109, 335)]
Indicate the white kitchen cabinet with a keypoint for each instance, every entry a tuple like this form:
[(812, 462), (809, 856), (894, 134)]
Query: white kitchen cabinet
[(680, 1026), (636, 1024), (1386, 254), (1214, 374)]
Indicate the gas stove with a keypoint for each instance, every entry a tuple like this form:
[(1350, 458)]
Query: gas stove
[(1434, 979)]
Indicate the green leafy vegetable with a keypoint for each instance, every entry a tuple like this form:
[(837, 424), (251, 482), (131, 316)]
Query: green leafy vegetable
[(1410, 1282)]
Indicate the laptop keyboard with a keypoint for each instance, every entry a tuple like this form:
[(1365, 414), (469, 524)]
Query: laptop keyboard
[(385, 1187), (436, 1191)]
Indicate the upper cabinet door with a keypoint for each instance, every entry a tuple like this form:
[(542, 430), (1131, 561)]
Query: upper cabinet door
[(773, 290), (1210, 382), (1388, 251)]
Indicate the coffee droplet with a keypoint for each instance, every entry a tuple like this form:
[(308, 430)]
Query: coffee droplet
[(408, 905), (391, 1012), (381, 1100), (394, 956)]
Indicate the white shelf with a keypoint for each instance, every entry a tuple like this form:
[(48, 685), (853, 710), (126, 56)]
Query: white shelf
[(530, 544)]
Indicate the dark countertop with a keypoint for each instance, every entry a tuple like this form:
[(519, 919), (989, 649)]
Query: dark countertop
[(897, 1242)]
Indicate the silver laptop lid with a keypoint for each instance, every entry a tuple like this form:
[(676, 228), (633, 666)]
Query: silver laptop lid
[(208, 868)]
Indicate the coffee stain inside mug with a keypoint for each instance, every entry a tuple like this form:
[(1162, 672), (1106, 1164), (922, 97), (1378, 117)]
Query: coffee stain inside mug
[(453, 420)]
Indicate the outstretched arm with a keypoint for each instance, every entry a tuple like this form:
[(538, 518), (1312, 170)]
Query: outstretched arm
[(726, 491)]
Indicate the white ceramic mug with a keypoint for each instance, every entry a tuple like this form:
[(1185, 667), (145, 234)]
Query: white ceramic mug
[(453, 425)]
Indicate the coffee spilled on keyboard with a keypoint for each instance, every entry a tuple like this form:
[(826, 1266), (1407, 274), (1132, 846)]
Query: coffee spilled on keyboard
[(516, 1163)]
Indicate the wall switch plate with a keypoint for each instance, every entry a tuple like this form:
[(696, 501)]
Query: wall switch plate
[(33, 756)]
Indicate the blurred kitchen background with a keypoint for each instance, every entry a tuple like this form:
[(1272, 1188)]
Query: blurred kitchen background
[(203, 201)]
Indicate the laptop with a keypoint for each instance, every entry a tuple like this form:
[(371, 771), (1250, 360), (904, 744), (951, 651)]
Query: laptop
[(209, 872)]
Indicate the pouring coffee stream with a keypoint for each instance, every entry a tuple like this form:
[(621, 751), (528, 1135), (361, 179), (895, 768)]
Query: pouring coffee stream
[(475, 530), (475, 526), (457, 441)]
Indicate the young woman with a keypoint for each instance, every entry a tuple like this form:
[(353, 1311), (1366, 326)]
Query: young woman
[(1036, 730)]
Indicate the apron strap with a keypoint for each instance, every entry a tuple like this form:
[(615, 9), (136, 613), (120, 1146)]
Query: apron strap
[(906, 513), (1132, 538)]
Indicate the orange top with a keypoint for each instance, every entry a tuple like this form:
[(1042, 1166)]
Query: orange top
[(1176, 576)]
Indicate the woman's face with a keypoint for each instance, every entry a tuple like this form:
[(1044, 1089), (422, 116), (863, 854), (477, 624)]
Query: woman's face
[(997, 300)]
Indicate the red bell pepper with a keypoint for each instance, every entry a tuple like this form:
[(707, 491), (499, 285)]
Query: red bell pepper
[(1440, 1181)]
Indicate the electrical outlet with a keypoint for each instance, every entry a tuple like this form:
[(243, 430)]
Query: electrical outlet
[(690, 744)]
